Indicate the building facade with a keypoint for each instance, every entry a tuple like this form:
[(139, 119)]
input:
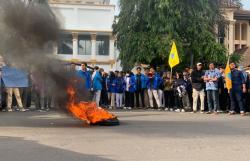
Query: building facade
[(236, 34), (86, 32)]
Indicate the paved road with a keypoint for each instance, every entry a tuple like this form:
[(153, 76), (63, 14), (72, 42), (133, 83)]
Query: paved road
[(142, 136)]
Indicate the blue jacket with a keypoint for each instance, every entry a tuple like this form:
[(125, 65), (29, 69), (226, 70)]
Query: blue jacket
[(97, 81), (132, 83), (111, 85), (85, 75), (154, 82), (144, 81), (119, 85)]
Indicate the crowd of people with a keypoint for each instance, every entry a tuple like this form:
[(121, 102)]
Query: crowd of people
[(192, 90)]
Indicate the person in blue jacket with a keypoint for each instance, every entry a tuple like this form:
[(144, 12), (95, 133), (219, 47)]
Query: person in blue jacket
[(153, 85), (97, 85), (130, 88), (111, 89), (85, 75), (119, 89), (141, 84)]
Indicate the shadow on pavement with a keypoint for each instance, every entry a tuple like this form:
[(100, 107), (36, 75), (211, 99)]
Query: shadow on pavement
[(138, 124), (52, 119), (18, 149), (183, 129)]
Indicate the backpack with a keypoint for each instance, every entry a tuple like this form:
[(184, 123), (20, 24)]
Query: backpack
[(181, 90)]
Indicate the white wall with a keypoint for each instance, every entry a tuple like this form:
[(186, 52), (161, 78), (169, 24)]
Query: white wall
[(84, 17)]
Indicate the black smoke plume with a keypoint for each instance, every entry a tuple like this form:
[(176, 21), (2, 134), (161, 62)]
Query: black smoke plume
[(29, 31)]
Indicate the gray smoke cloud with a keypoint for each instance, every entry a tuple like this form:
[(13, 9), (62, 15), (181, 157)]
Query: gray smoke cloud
[(28, 32)]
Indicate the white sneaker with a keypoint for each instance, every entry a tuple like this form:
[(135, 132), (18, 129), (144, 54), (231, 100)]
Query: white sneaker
[(171, 109), (124, 108), (129, 108), (166, 109), (10, 110), (177, 110), (110, 107), (22, 110), (183, 110)]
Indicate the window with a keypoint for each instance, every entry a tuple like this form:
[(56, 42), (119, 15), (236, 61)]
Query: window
[(84, 45), (102, 45), (221, 33), (65, 44)]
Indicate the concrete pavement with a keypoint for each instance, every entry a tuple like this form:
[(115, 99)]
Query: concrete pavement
[(142, 136)]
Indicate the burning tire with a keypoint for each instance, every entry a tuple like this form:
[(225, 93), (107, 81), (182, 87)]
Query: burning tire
[(109, 122)]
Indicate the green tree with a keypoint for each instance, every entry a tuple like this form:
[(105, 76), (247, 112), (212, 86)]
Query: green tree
[(145, 30)]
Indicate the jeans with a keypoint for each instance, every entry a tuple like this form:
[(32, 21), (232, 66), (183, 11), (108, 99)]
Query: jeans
[(196, 95), (153, 93), (186, 102), (119, 99), (97, 96), (236, 99), (212, 100)]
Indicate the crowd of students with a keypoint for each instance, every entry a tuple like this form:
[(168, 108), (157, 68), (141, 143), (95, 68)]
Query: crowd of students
[(189, 91)]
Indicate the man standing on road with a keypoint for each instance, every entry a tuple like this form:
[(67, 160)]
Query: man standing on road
[(197, 77), (211, 78), (238, 88), (153, 86), (141, 84), (85, 75), (97, 85)]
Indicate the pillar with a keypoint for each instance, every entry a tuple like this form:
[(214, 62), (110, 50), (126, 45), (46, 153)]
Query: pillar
[(112, 50), (93, 47), (75, 44), (231, 38)]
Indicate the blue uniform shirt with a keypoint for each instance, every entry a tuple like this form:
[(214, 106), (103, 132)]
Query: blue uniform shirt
[(212, 74)]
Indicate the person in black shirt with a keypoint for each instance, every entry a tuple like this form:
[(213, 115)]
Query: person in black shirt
[(197, 77), (238, 88), (139, 88)]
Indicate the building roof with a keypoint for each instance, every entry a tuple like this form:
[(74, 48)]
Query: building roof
[(245, 56), (97, 2), (242, 14)]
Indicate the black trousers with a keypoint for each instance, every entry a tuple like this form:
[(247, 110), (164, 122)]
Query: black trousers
[(129, 99), (247, 102), (37, 98), (179, 103), (169, 99), (26, 97), (140, 93), (104, 101)]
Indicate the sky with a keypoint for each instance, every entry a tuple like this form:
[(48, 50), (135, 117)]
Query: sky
[(246, 5), (115, 2)]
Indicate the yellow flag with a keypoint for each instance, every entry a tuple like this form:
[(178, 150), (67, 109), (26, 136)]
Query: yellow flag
[(173, 56), (228, 77)]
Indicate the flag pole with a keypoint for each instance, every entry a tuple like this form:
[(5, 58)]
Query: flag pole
[(228, 61), (171, 73)]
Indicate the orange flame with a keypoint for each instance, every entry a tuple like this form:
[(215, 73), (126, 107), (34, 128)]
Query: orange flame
[(87, 111)]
